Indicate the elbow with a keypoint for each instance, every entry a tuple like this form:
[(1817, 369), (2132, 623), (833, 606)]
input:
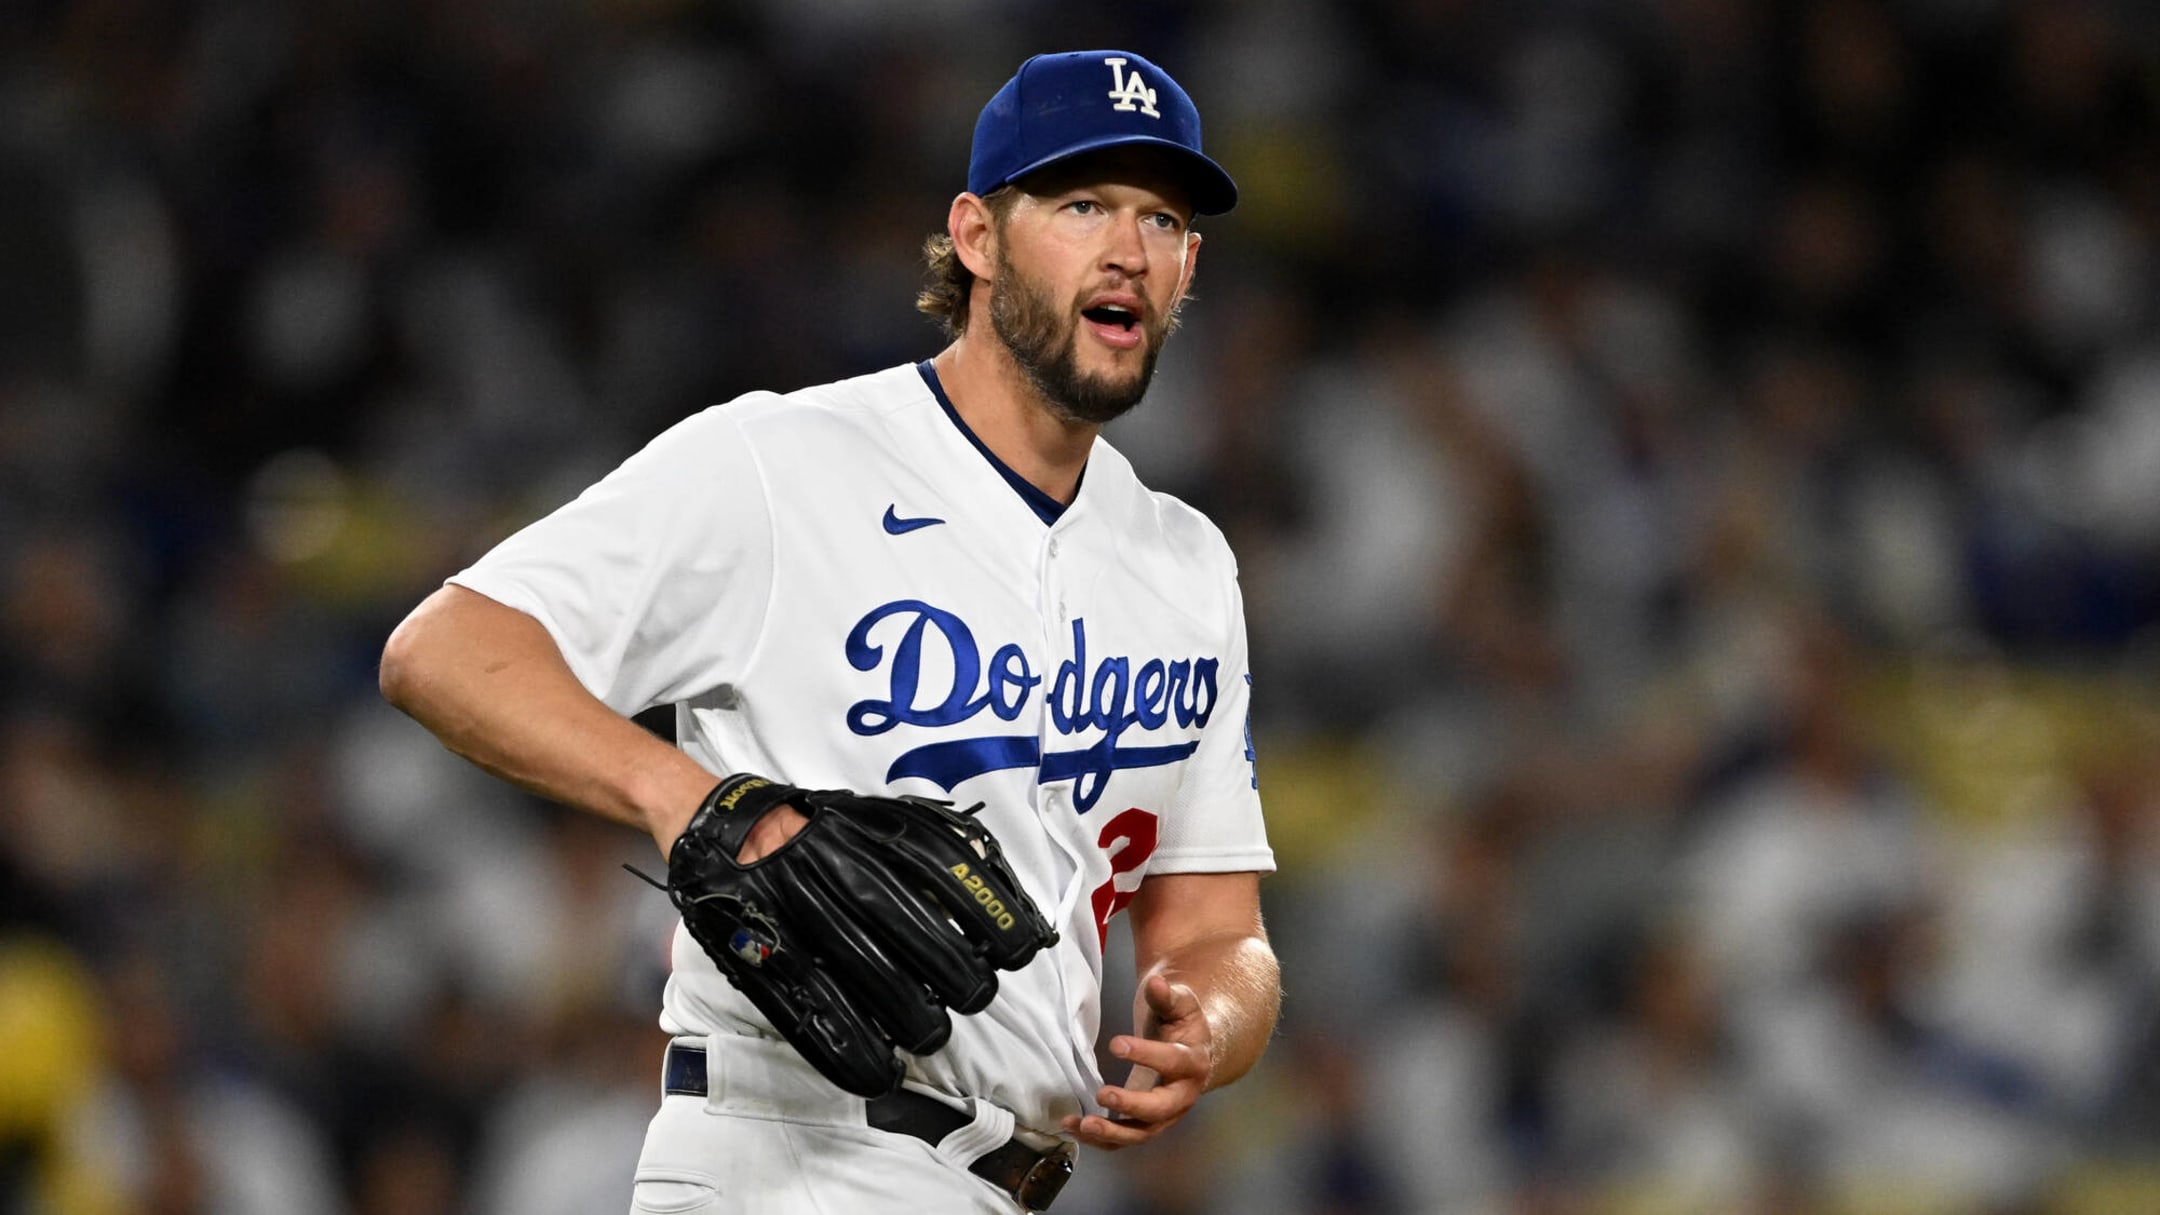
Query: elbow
[(398, 677), (430, 658)]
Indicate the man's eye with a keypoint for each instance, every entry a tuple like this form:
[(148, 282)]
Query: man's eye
[(1082, 206)]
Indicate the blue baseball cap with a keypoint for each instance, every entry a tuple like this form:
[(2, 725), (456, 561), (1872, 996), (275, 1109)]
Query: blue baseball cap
[(1060, 106)]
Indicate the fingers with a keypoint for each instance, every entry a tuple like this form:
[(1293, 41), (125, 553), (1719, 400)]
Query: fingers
[(1170, 1001), (1135, 1116), (1169, 1071), (1105, 1135), (777, 827), (1167, 1081), (1110, 1134), (1168, 1060), (1170, 1011), (1160, 1105)]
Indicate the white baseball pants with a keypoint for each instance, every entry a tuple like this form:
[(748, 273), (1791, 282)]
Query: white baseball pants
[(772, 1137)]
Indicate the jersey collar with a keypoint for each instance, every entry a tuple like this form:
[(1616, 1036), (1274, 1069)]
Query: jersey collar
[(1046, 508)]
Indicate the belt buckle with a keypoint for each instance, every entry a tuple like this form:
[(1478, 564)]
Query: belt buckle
[(1039, 1187)]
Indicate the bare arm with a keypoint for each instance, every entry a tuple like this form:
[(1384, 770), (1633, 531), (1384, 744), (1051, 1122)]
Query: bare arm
[(492, 686), (1209, 992)]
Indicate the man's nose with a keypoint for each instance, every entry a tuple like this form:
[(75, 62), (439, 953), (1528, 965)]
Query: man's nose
[(1126, 251)]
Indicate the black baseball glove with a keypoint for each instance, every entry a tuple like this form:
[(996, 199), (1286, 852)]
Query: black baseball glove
[(857, 935)]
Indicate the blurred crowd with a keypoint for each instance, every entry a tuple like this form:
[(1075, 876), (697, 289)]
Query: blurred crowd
[(1695, 467)]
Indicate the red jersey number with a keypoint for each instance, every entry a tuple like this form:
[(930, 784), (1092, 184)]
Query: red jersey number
[(1128, 840)]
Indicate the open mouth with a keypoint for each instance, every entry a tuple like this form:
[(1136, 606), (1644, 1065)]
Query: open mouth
[(1113, 315)]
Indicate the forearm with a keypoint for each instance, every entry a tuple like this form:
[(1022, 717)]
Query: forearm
[(488, 681), (1239, 986)]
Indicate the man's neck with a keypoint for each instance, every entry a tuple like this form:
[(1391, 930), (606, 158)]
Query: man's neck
[(993, 396)]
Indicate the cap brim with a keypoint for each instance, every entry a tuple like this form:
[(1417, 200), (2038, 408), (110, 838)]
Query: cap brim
[(1212, 190)]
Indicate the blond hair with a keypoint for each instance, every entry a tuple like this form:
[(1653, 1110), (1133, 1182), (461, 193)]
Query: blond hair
[(947, 282)]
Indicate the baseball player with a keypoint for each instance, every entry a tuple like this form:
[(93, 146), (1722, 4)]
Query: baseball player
[(932, 582)]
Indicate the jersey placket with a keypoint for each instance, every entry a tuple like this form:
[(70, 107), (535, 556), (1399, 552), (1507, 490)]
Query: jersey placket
[(1081, 970), (1054, 800)]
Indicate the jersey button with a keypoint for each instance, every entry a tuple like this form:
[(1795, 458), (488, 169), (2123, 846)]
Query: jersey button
[(1053, 546)]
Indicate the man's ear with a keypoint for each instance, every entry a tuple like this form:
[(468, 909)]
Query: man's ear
[(974, 234), (1192, 267)]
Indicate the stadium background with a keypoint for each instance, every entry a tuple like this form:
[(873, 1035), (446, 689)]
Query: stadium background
[(1695, 465)]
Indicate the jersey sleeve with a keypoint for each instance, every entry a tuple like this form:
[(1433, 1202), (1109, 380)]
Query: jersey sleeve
[(654, 581), (1215, 825)]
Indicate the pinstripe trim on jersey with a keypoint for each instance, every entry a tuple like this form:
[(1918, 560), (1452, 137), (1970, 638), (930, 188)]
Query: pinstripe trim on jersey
[(1046, 508)]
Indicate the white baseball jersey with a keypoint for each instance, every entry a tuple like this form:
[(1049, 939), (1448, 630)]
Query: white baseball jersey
[(842, 587)]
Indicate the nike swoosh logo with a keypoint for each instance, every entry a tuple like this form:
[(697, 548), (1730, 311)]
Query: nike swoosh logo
[(897, 526)]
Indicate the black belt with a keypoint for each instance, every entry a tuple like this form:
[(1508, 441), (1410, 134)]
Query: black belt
[(1033, 1178)]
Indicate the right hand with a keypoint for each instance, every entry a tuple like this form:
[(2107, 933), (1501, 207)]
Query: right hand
[(777, 827)]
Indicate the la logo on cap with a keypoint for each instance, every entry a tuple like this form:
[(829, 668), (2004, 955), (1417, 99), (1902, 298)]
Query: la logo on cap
[(1130, 92)]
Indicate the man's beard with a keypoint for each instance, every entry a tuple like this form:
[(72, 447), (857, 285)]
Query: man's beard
[(1045, 343)]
